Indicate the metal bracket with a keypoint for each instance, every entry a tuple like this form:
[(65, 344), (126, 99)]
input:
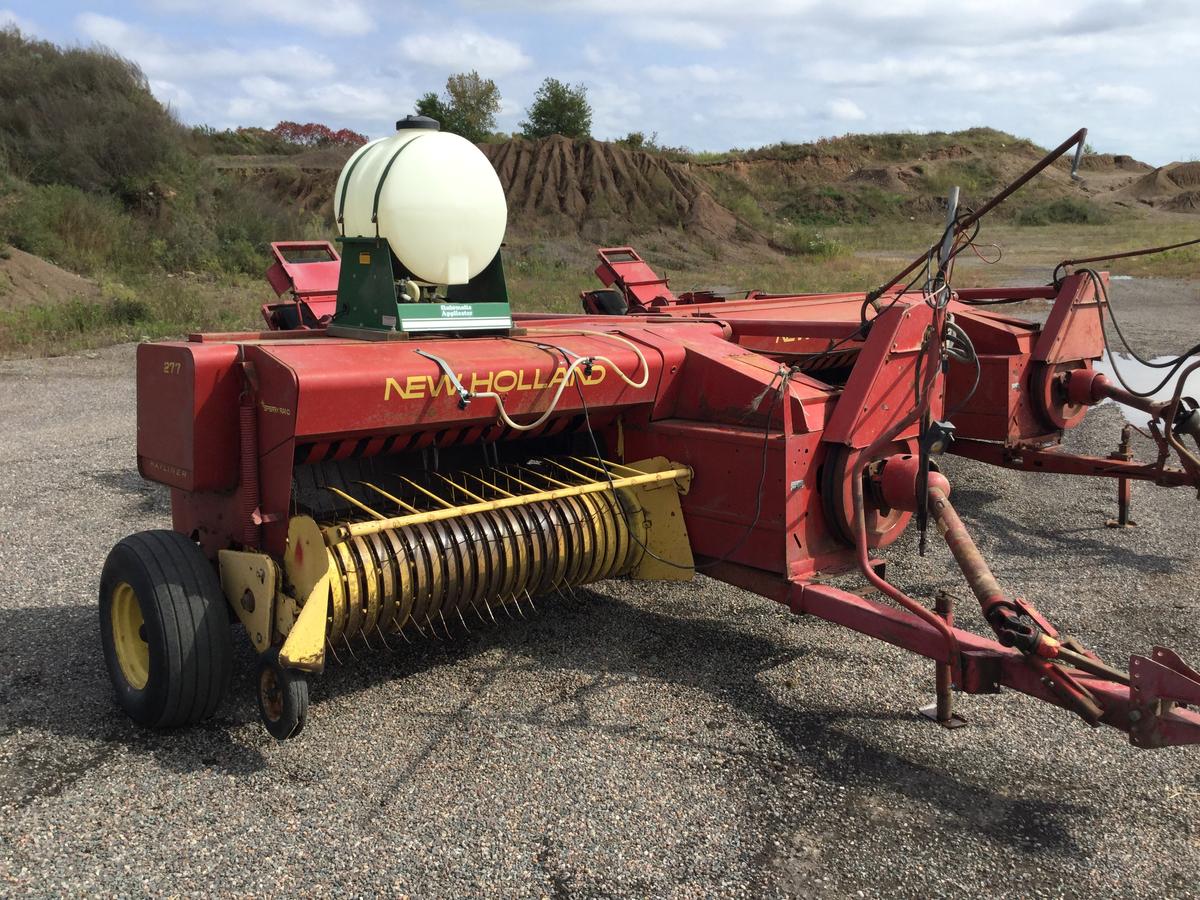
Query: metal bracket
[(250, 582)]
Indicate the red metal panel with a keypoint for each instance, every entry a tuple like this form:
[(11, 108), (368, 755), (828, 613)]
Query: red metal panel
[(1073, 329), (306, 268), (641, 285), (880, 390), (351, 389), (187, 415)]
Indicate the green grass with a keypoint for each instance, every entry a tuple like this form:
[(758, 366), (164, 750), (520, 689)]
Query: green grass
[(1062, 211), (147, 308), (802, 241), (548, 276)]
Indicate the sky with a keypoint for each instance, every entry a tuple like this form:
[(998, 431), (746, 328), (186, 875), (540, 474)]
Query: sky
[(703, 74)]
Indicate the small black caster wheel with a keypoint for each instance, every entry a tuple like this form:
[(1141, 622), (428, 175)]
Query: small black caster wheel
[(282, 696)]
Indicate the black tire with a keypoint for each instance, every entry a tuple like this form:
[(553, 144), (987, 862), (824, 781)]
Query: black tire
[(185, 629), (282, 697)]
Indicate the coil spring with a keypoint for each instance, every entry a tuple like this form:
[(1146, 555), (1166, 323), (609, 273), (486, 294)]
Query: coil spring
[(443, 569)]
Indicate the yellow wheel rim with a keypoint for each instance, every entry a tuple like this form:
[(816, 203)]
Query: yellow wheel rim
[(133, 653)]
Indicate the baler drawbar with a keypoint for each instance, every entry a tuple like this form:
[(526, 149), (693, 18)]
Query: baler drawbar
[(404, 458)]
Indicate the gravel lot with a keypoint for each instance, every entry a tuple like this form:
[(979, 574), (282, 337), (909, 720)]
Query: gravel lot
[(679, 740)]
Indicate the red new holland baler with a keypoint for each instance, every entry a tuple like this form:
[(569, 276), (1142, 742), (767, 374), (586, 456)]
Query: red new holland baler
[(420, 461)]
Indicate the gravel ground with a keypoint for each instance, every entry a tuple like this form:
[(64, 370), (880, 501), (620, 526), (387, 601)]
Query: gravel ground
[(641, 740)]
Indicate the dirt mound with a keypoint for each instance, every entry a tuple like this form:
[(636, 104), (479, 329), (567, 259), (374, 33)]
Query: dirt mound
[(603, 191), (27, 280), (1168, 187), (1101, 162), (1186, 175), (954, 151), (890, 178), (1186, 202)]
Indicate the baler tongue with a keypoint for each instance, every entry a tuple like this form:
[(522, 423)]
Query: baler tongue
[(1159, 685)]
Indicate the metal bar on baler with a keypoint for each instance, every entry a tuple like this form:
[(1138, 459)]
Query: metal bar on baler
[(336, 534)]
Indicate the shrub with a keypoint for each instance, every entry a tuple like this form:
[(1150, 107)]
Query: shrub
[(838, 205), (1063, 211), (75, 229), (240, 142), (467, 108), (84, 118), (314, 134), (559, 108), (807, 242), (974, 176)]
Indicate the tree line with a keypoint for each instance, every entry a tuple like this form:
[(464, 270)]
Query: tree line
[(469, 104)]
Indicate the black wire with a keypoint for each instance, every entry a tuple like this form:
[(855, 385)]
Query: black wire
[(962, 404), (1172, 364)]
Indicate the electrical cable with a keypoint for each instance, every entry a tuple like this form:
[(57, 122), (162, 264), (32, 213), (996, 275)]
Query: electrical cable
[(1172, 364), (465, 396)]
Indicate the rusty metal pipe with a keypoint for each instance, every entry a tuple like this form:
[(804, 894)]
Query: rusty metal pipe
[(943, 676), (974, 567)]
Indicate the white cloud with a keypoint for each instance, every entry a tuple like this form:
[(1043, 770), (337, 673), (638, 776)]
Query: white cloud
[(322, 16), (265, 101), (174, 95), (1128, 94), (159, 57), (844, 110), (680, 74), (677, 31), (9, 19), (464, 50)]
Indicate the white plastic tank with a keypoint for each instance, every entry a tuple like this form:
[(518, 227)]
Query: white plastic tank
[(441, 207)]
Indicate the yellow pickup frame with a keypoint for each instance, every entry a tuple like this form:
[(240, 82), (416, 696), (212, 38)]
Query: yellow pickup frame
[(307, 565), (665, 534)]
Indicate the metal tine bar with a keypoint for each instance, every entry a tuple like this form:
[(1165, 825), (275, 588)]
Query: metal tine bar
[(382, 638), (489, 609), (337, 659), (417, 625), (363, 635), (388, 496), (586, 478), (546, 477), (488, 484), (357, 503), (400, 631), (513, 477), (517, 602), (432, 630), (445, 625), (430, 494), (459, 487), (530, 599), (461, 619), (346, 641), (607, 464)]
